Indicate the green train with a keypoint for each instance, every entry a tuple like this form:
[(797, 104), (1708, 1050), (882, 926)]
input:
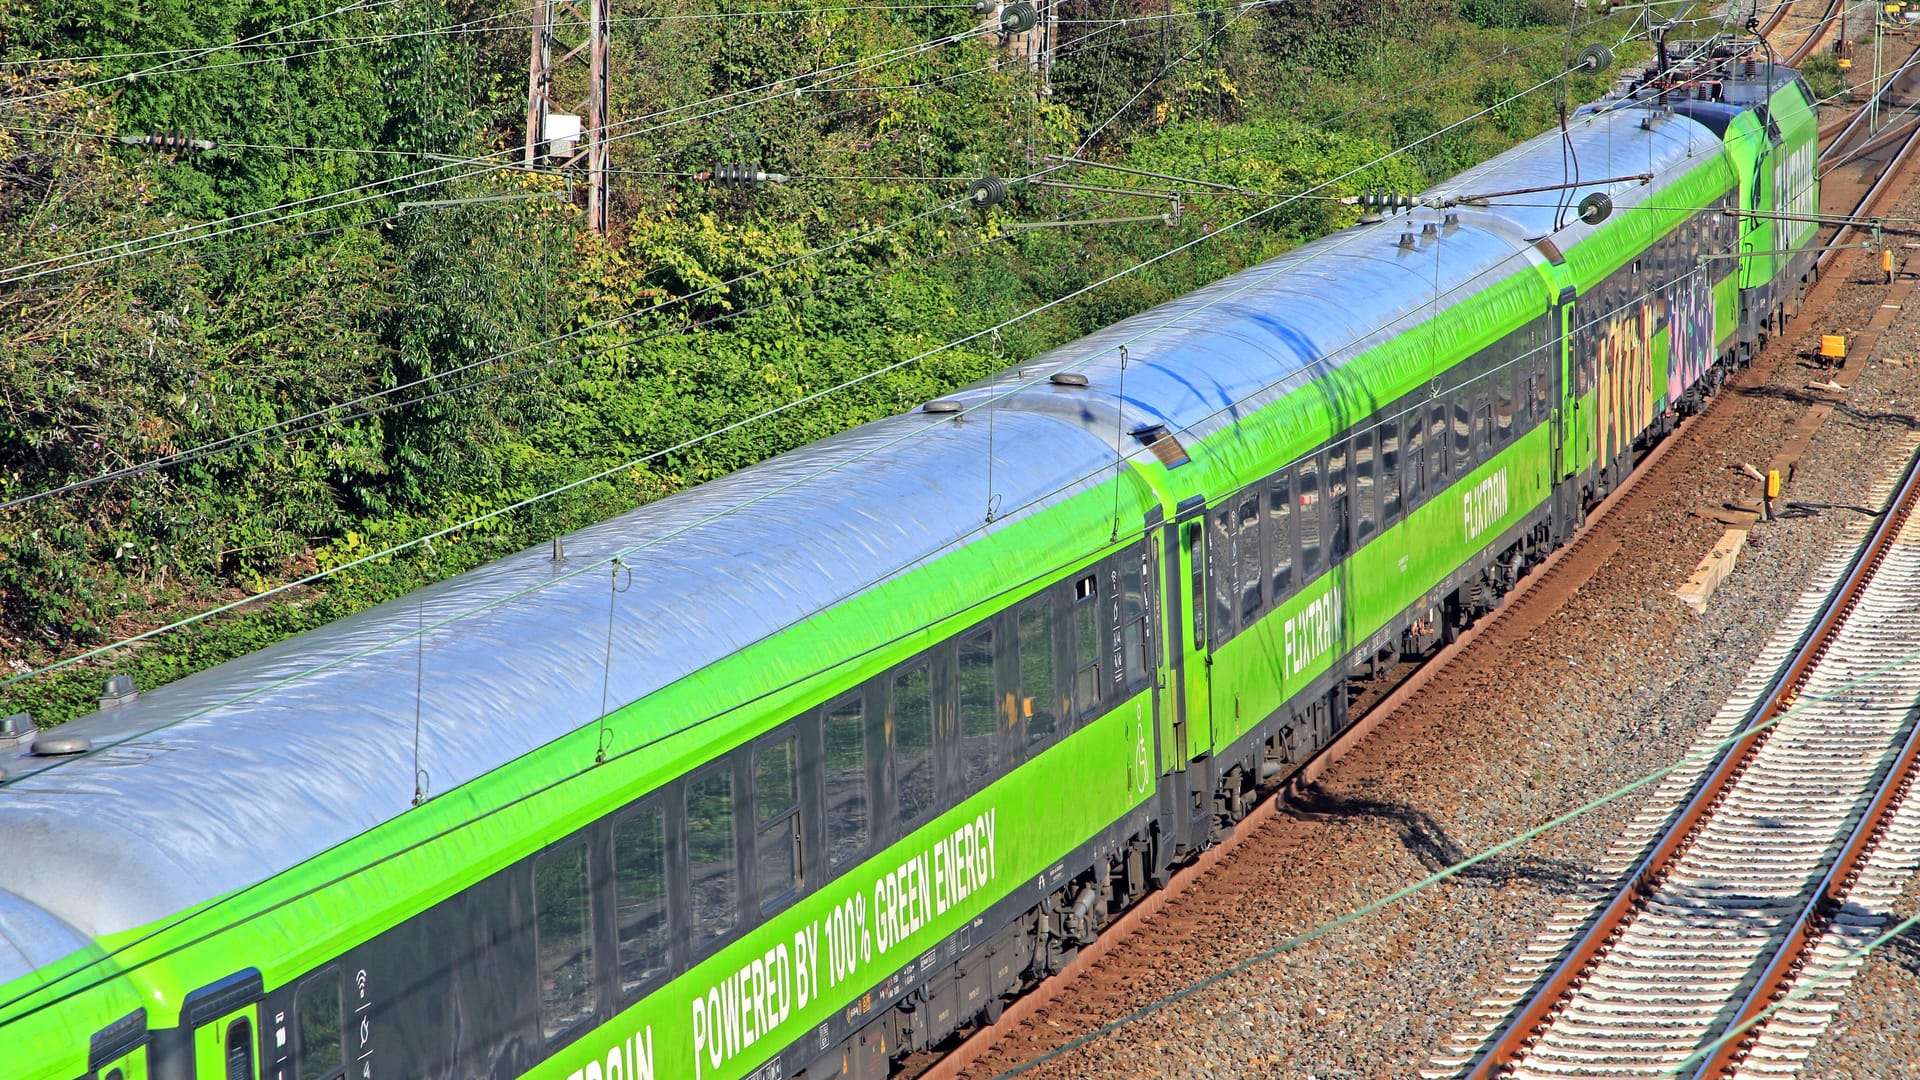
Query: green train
[(815, 766)]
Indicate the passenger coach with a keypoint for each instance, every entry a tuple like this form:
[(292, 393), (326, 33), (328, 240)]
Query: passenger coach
[(813, 766)]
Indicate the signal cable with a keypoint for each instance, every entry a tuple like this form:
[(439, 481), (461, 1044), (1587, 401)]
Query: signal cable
[(954, 343), (300, 424), (488, 813)]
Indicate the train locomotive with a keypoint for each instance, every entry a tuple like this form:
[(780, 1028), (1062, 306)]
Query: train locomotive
[(808, 769)]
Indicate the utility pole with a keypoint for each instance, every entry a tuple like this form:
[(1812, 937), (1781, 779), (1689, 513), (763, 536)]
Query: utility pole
[(551, 135)]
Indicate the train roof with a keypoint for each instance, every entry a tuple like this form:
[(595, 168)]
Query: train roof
[(231, 775)]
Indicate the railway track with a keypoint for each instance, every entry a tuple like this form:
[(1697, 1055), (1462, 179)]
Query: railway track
[(1859, 160), (1865, 186), (1755, 885)]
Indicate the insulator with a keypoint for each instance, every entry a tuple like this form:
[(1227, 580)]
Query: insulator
[(1595, 208), (984, 7), (1594, 59), (1018, 17), (987, 191)]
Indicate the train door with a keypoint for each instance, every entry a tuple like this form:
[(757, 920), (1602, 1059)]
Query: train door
[(1188, 789), (221, 1017), (1563, 418), (119, 1050)]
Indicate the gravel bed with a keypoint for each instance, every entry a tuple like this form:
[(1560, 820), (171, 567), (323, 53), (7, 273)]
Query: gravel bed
[(1608, 689)]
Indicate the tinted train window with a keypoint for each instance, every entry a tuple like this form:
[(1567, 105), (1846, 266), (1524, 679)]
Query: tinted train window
[(912, 738), (1503, 406), (1364, 491), (845, 733), (1220, 572), (1037, 701), (979, 717), (1413, 472), (1196, 566), (1280, 534), (1086, 645), (563, 939), (1335, 521), (317, 1046), (1482, 426), (1249, 556), (776, 820), (1133, 615), (640, 896), (1437, 447), (240, 1050), (1389, 472), (1462, 431), (710, 856), (1307, 479)]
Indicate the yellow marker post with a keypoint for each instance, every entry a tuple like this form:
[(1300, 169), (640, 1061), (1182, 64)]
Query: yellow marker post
[(1773, 483), (1833, 346)]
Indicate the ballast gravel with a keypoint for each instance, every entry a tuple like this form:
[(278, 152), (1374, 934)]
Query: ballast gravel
[(1606, 690)]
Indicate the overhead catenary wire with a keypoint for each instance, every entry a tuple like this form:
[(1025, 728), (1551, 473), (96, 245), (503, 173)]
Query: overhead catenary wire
[(287, 211), (479, 26), (954, 343), (341, 412), (296, 675), (353, 408)]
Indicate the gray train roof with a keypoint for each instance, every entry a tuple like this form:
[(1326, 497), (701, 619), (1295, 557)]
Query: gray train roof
[(191, 793), (167, 812), (1615, 143)]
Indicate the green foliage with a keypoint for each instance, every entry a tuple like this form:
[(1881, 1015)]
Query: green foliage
[(1513, 14), (517, 353), (1823, 75)]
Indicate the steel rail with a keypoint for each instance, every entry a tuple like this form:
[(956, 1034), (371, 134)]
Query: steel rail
[(1819, 33), (1777, 979), (1525, 1029)]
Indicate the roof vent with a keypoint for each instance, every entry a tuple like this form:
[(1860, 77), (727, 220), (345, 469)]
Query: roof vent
[(941, 406), (1453, 221), (1162, 442), (1068, 378), (61, 745), (1430, 231), (118, 692), (1408, 240), (15, 729)]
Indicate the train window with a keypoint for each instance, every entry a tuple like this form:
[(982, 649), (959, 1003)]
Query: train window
[(1037, 694), (1248, 557), (1389, 472), (710, 856), (1196, 567), (844, 728), (563, 939), (1542, 390), (1364, 491), (1414, 457), (640, 896), (1307, 478), (1086, 645), (1462, 431), (1280, 533), (1482, 429), (316, 1009), (910, 725), (240, 1050), (776, 821), (1220, 572), (1437, 447), (1133, 615), (979, 717), (1503, 407), (1336, 521)]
